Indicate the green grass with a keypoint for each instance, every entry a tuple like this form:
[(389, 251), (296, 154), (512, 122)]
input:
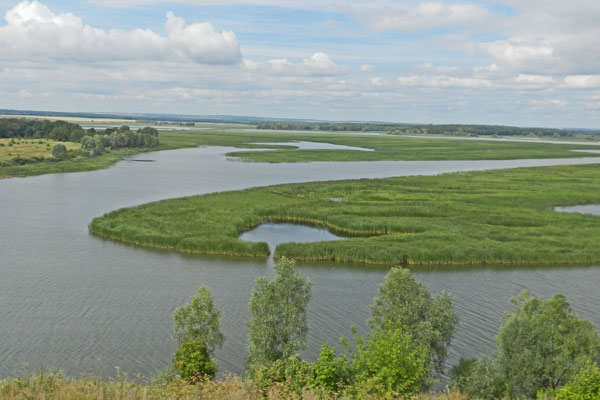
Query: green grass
[(489, 217), (386, 148), (27, 148)]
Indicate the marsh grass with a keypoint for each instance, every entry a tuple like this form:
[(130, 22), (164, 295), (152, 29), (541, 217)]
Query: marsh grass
[(488, 217)]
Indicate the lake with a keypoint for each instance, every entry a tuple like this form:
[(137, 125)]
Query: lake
[(86, 305)]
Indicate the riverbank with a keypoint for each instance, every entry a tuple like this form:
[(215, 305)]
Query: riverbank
[(488, 217), (386, 148), (56, 386)]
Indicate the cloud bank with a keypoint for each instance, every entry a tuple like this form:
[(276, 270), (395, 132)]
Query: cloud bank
[(34, 32)]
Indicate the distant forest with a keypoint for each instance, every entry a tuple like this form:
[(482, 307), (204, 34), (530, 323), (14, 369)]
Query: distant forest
[(453, 129), (60, 131)]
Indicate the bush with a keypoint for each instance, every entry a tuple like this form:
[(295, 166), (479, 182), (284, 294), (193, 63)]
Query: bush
[(330, 372), (585, 385), (60, 151), (293, 373), (389, 361), (193, 363)]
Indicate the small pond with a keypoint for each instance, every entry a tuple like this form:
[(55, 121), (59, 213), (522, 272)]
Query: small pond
[(592, 209), (302, 145), (275, 234)]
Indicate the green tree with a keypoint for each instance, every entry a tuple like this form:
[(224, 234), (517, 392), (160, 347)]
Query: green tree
[(199, 321), (541, 344), (277, 327), (59, 151), (405, 302)]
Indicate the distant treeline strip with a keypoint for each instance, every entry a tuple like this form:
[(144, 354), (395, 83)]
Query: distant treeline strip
[(416, 129)]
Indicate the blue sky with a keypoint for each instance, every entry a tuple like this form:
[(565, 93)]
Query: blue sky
[(527, 62)]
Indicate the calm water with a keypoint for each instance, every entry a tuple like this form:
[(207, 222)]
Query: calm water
[(592, 209), (74, 301)]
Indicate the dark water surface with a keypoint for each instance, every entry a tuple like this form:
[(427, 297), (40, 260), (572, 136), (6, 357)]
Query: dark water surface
[(71, 300)]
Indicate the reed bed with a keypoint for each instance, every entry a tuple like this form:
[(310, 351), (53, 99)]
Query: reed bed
[(488, 217)]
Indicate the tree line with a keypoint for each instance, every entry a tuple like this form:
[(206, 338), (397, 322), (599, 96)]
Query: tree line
[(431, 129), (544, 349)]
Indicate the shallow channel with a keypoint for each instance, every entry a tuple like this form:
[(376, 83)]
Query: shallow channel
[(74, 301)]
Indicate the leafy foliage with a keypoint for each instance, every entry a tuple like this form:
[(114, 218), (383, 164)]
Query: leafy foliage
[(193, 363), (402, 301), (331, 372), (59, 151), (585, 385), (541, 345), (277, 327), (199, 321), (389, 361)]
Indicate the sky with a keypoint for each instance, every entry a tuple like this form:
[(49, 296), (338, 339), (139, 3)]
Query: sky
[(510, 62)]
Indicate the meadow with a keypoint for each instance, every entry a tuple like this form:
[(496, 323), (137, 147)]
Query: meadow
[(488, 217), (28, 148)]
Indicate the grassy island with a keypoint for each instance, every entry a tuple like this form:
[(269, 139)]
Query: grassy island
[(495, 217)]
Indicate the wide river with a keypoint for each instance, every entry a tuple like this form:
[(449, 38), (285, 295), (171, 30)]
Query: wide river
[(86, 305)]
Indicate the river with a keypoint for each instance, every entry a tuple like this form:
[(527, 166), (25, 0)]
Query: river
[(86, 305)]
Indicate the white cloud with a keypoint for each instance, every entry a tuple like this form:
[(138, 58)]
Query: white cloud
[(366, 68), (424, 15), (582, 82), (515, 53), (319, 64), (34, 32), (441, 81)]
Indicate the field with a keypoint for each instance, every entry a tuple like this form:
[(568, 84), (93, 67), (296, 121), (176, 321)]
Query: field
[(489, 217), (27, 148)]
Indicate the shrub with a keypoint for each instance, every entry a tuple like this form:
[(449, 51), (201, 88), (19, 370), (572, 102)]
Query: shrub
[(390, 360), (59, 151), (330, 372), (585, 385), (193, 363)]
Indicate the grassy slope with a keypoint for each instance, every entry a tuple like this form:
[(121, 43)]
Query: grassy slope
[(477, 217), (387, 148), (49, 386)]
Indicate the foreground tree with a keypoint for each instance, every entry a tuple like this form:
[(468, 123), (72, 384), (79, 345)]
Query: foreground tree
[(197, 331), (541, 345), (277, 327), (402, 301), (199, 321)]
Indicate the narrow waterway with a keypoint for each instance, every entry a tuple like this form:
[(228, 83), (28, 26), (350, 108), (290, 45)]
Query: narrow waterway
[(86, 305)]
